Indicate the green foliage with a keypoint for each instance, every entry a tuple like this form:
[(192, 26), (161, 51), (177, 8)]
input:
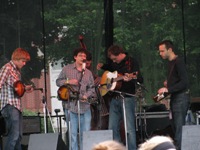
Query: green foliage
[(27, 112), (138, 27)]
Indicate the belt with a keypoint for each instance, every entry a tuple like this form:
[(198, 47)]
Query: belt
[(120, 96)]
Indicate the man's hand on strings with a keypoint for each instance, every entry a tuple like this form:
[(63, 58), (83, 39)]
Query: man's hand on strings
[(127, 77)]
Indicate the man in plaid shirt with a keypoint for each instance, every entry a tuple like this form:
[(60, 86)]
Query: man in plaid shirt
[(10, 102), (82, 81)]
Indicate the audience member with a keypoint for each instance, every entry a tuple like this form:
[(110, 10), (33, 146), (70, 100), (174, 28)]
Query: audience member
[(109, 145), (158, 143)]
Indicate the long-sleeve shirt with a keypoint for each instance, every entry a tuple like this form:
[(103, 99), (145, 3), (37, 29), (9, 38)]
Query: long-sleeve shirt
[(86, 86), (8, 75), (177, 80), (127, 65)]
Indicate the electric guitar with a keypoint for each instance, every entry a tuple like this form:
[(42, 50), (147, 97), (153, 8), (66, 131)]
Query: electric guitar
[(112, 81)]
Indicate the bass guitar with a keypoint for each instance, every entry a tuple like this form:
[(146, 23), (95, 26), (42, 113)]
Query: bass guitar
[(112, 81)]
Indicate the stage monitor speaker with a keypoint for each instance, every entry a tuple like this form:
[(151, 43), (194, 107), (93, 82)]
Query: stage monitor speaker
[(49, 141), (90, 138), (156, 122), (191, 137), (157, 126)]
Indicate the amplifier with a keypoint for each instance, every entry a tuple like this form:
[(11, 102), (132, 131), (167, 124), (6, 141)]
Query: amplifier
[(154, 123), (163, 114), (31, 124)]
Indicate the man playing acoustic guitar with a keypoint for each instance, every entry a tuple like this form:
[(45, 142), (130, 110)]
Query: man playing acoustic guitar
[(10, 102), (129, 69)]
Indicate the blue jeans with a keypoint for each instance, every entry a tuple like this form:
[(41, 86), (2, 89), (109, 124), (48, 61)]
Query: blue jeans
[(116, 115), (85, 121), (13, 119), (179, 105)]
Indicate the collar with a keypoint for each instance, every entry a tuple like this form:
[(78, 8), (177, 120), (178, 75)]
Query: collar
[(13, 65), (74, 65)]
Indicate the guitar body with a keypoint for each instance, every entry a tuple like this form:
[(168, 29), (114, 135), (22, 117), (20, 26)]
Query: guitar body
[(108, 82), (63, 93), (19, 88)]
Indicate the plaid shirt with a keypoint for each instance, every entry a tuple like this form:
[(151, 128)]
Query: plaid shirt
[(8, 75), (86, 86)]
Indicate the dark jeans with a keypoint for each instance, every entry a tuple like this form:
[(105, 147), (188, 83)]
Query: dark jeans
[(179, 105), (116, 114), (13, 118)]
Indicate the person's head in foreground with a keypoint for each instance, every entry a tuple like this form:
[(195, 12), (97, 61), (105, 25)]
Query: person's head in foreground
[(158, 143), (109, 145)]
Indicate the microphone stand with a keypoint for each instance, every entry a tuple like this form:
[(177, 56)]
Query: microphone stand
[(45, 111), (143, 131), (78, 101), (99, 106)]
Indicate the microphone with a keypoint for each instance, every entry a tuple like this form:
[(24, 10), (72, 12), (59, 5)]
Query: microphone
[(138, 83), (83, 66)]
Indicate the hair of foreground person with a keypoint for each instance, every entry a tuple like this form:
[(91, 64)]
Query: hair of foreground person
[(158, 143), (20, 53), (109, 145)]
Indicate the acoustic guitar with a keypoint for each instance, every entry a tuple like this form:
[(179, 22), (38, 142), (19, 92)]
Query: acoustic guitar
[(112, 81)]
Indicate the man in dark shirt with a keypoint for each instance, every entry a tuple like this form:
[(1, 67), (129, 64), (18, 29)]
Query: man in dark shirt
[(177, 86), (129, 69)]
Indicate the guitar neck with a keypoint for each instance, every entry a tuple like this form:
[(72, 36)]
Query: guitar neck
[(118, 78)]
